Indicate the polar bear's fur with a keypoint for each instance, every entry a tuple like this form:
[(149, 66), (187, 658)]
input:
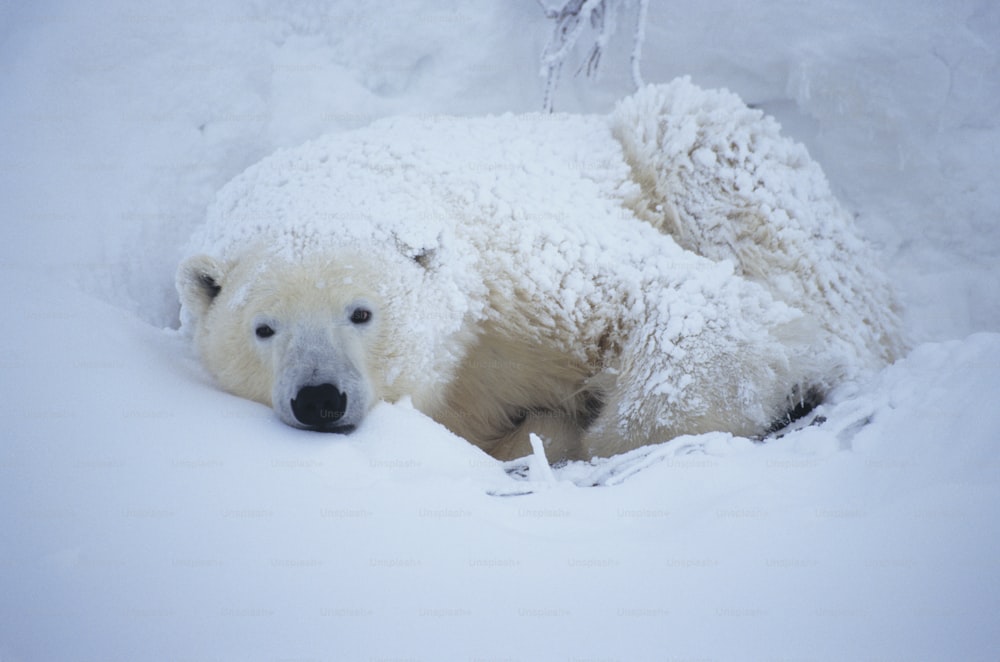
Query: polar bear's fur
[(605, 283)]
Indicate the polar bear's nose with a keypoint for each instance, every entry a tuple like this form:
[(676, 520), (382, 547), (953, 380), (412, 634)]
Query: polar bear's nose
[(319, 407)]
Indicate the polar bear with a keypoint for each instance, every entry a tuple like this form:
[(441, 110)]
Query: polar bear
[(603, 282)]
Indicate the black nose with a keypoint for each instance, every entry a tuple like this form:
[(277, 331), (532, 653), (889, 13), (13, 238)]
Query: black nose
[(319, 406)]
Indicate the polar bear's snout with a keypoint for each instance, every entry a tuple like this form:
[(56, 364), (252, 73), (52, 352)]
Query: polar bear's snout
[(321, 407), (320, 380), (332, 401)]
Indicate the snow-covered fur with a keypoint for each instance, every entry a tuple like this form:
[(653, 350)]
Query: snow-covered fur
[(721, 180), (678, 269)]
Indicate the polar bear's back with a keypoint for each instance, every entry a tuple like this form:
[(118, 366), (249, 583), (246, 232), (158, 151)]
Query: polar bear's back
[(416, 178)]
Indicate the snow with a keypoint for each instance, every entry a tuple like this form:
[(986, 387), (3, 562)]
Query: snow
[(147, 515)]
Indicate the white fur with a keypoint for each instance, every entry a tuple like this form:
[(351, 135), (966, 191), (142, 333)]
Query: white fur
[(680, 269), (721, 179)]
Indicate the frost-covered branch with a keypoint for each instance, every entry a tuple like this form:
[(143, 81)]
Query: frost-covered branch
[(638, 38), (571, 20)]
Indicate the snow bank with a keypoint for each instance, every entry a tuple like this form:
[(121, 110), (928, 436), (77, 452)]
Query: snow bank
[(150, 516)]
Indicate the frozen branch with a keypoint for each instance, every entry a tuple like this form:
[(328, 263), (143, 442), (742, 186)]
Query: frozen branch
[(571, 20), (638, 37)]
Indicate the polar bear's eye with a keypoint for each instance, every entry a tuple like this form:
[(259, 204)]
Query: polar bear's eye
[(361, 316), (263, 331)]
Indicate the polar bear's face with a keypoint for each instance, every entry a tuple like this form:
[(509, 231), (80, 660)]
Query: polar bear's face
[(308, 339)]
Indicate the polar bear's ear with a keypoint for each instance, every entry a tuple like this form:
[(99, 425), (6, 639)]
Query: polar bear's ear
[(423, 256), (199, 281), (421, 253)]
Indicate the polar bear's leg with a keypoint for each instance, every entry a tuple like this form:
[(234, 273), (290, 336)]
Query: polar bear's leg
[(718, 176), (721, 179), (506, 389), (560, 433), (739, 374)]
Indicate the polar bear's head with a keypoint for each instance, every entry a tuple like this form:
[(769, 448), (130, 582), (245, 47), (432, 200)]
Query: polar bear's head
[(321, 339)]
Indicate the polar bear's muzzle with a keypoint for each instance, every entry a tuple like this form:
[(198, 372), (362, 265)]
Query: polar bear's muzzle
[(319, 385), (321, 407), (323, 404)]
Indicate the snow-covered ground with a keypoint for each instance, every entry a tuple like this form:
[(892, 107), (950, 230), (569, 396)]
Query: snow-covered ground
[(146, 515)]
